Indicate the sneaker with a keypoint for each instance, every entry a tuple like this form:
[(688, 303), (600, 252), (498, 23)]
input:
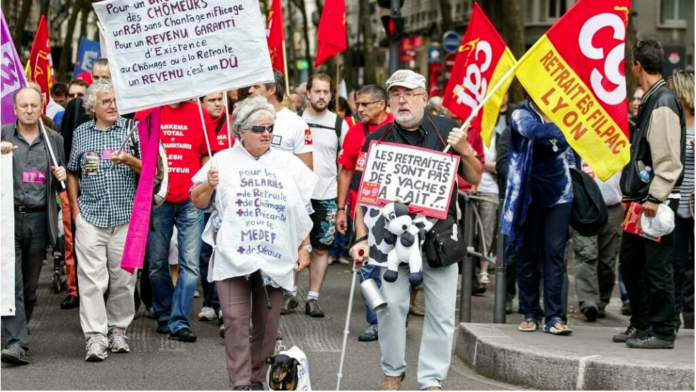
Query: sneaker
[(508, 307), (392, 383), (626, 309), (590, 313), (118, 341), (313, 309), (219, 315), (256, 386), (97, 347), (478, 289), (70, 302), (344, 261), (289, 304), (242, 388), (15, 355), (222, 331), (163, 327), (150, 313), (649, 342), (631, 333), (483, 279), (184, 334), (601, 313), (206, 314), (370, 335), (332, 260)]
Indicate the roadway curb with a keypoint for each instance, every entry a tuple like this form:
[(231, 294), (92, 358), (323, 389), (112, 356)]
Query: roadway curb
[(494, 354)]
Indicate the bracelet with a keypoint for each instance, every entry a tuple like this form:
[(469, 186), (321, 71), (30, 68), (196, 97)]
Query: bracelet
[(341, 209), (361, 239)]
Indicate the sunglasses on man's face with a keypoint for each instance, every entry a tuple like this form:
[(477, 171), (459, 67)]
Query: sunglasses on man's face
[(262, 128), (75, 95)]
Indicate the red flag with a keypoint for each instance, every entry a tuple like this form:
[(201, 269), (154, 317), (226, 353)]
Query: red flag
[(40, 64), (275, 35), (575, 73), (482, 61), (332, 31)]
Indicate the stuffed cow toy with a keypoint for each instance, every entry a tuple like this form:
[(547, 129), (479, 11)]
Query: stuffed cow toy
[(406, 238)]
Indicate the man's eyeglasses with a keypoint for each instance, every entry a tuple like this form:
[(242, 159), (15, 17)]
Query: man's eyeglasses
[(107, 102), (366, 104), (262, 128), (75, 95), (407, 96)]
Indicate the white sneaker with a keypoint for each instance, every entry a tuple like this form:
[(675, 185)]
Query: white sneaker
[(118, 341), (219, 314), (344, 260), (206, 314), (483, 279), (96, 348)]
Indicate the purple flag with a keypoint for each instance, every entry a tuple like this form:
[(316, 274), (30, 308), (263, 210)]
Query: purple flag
[(12, 76)]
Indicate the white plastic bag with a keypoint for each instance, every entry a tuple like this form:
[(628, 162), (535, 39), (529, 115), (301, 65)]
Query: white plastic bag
[(661, 224)]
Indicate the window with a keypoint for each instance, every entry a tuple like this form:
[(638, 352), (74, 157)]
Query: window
[(555, 9), (672, 13)]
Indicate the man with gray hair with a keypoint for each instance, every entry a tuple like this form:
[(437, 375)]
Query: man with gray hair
[(36, 213), (107, 178), (414, 127)]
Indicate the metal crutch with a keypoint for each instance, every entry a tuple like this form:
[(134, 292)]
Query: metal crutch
[(346, 330)]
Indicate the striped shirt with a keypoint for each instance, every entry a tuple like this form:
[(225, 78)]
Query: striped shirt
[(107, 190), (687, 185)]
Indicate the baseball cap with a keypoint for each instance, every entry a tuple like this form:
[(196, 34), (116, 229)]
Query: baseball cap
[(85, 76), (406, 78)]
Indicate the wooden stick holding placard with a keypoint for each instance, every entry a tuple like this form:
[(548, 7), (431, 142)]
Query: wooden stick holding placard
[(338, 81), (495, 88), (285, 66), (227, 118)]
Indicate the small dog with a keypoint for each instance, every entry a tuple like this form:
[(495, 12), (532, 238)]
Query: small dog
[(283, 373)]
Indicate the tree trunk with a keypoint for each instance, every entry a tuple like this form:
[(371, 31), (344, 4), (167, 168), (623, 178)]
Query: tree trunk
[(66, 55), (21, 25), (84, 19), (264, 6), (7, 11), (513, 32), (369, 69), (631, 40), (305, 27), (446, 12), (44, 7), (320, 8)]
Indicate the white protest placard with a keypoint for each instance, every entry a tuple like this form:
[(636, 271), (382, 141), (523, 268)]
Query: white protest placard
[(425, 178), (7, 249), (167, 51)]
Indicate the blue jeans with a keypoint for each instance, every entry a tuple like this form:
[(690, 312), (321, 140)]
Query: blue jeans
[(210, 296), (171, 303), (545, 232), (370, 271)]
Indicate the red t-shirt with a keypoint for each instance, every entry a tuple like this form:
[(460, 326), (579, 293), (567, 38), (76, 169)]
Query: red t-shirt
[(352, 149), (219, 142), (181, 134), (474, 138)]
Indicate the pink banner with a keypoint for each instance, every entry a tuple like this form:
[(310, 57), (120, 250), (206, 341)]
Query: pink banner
[(134, 252)]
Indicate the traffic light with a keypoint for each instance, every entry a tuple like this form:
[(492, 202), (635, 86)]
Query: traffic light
[(393, 26)]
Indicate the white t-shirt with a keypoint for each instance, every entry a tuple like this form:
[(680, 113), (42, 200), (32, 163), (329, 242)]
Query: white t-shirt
[(291, 133), (489, 183), (325, 153)]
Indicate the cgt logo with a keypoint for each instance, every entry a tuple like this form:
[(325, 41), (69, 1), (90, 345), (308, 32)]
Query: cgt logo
[(308, 137), (474, 86), (612, 61)]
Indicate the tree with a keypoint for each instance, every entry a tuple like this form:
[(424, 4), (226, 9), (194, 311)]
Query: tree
[(370, 75), (446, 12), (44, 7), (513, 33), (84, 19), (21, 24), (631, 40), (66, 55), (305, 31)]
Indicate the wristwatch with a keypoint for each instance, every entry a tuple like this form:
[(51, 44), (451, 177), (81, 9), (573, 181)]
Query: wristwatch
[(307, 247)]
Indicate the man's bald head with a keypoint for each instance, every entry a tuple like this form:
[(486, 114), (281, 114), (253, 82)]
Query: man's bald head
[(22, 91)]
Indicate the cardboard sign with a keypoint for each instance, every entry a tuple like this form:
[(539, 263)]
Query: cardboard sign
[(165, 52), (417, 175)]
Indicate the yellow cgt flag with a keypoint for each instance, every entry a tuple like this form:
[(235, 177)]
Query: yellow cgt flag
[(574, 73)]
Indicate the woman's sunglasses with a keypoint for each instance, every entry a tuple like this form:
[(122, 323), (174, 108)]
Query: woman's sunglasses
[(262, 128)]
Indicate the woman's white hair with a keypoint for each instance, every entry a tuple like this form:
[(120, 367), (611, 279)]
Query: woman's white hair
[(248, 111), (100, 86)]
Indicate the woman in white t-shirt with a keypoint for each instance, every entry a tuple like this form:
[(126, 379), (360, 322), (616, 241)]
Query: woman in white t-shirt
[(488, 207)]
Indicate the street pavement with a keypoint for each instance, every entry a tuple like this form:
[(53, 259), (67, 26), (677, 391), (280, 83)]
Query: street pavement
[(157, 363)]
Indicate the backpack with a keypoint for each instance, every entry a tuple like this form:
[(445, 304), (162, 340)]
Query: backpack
[(589, 214)]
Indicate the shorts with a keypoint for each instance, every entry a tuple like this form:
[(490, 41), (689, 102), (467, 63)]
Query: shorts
[(324, 219)]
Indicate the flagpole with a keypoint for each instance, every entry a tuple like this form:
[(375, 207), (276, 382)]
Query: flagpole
[(227, 118), (495, 88), (205, 129), (285, 66), (338, 80)]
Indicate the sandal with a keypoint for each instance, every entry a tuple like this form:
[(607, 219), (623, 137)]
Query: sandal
[(557, 327), (416, 311), (528, 325)]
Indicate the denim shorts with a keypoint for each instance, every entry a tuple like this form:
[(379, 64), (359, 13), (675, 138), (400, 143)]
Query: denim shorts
[(324, 219)]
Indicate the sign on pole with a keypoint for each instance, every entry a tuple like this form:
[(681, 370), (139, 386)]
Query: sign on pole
[(425, 178), (451, 41), (166, 52), (88, 54)]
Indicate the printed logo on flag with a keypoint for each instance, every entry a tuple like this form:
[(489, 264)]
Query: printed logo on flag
[(308, 137)]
